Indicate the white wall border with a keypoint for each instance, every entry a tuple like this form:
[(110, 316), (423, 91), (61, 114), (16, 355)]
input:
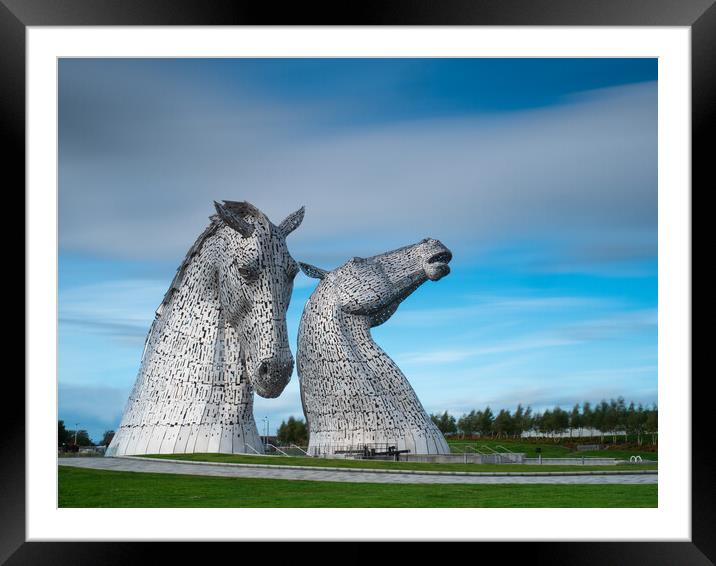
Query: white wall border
[(671, 521)]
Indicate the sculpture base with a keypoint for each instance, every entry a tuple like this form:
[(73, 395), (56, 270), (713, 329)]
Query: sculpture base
[(186, 439), (340, 444)]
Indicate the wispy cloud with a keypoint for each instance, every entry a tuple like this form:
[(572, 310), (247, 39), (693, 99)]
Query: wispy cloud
[(613, 326), (616, 325), (580, 169), (459, 355), (123, 309), (487, 305)]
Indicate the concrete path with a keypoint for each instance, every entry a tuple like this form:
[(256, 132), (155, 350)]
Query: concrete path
[(268, 471)]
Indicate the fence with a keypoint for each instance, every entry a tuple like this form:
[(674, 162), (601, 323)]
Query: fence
[(573, 433)]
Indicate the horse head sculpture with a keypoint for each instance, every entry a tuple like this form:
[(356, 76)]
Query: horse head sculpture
[(353, 394), (376, 286), (255, 275), (218, 336)]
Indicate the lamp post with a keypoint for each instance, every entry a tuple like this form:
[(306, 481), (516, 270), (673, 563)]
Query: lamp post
[(266, 428), (76, 428)]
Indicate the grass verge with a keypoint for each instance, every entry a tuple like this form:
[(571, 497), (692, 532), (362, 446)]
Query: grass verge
[(80, 487)]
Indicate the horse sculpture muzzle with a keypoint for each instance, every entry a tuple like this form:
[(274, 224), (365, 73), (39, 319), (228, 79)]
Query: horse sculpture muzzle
[(272, 375), (437, 258)]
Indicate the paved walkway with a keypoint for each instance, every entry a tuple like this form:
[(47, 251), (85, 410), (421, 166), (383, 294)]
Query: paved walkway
[(269, 471)]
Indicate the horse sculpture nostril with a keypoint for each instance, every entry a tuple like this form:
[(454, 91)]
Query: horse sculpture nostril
[(271, 376)]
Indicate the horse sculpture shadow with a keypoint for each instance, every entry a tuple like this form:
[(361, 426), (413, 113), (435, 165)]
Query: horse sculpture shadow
[(218, 336), (354, 396)]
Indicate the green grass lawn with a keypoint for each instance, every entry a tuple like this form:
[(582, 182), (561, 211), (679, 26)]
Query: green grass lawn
[(383, 464), (549, 449), (80, 487)]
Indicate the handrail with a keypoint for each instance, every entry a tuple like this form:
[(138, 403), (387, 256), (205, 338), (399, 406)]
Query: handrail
[(505, 449), (254, 449), (301, 449), (276, 448)]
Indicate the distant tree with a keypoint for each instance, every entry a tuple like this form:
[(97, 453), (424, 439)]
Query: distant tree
[(447, 423), (107, 437), (601, 417), (560, 421), (622, 414), (485, 423), (528, 420), (293, 431), (82, 437), (652, 423), (466, 424), (611, 418), (63, 435), (545, 423), (575, 420), (502, 425), (587, 415), (518, 421)]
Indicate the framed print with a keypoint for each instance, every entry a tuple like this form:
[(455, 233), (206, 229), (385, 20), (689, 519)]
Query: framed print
[(536, 158)]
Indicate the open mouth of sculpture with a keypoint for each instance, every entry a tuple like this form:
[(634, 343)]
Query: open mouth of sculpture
[(436, 266)]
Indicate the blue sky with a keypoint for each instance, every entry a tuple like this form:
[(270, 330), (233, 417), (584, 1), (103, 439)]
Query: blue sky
[(539, 174)]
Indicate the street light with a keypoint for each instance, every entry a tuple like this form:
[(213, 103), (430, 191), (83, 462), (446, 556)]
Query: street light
[(266, 429), (76, 428)]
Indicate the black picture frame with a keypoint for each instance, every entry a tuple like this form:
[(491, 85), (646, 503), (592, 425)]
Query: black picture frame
[(699, 15)]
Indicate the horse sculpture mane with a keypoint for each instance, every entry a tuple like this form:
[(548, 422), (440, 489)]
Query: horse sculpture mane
[(238, 208), (219, 334), (354, 396)]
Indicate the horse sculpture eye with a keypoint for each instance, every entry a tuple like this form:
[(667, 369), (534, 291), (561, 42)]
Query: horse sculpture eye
[(248, 273)]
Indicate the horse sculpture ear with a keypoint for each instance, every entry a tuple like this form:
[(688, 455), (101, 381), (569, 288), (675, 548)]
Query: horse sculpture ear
[(234, 220), (312, 270), (292, 221)]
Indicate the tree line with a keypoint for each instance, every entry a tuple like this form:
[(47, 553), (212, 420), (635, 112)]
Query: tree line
[(69, 437), (608, 417)]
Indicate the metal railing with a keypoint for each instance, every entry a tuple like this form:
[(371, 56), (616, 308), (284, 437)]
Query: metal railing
[(254, 449), (299, 448), (276, 448)]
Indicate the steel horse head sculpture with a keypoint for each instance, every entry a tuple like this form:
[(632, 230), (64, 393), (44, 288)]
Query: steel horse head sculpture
[(218, 336), (353, 394)]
